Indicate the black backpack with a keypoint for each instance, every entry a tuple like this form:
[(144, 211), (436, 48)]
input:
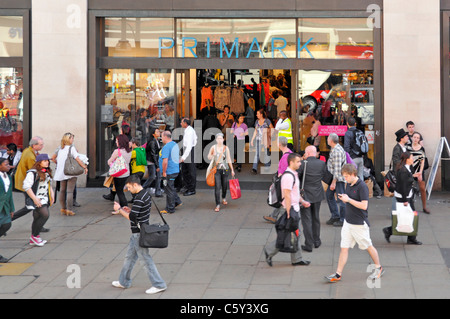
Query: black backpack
[(360, 145), (275, 196)]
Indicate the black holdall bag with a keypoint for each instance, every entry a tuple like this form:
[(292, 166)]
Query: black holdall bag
[(154, 235)]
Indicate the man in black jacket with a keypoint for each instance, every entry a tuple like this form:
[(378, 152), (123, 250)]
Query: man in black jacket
[(312, 171), (399, 148)]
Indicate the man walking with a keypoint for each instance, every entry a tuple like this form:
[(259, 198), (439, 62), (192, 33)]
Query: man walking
[(169, 163), (334, 165), (26, 163), (188, 168), (139, 214), (312, 172), (351, 148), (356, 225), (291, 203), (282, 165)]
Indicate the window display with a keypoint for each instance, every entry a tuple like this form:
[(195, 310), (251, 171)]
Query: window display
[(11, 107), (329, 98)]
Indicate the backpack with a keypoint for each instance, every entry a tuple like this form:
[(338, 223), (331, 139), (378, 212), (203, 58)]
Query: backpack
[(275, 197), (141, 158), (361, 145)]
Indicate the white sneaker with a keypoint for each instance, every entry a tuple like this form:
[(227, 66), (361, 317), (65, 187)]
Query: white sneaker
[(117, 284), (154, 290), (36, 240)]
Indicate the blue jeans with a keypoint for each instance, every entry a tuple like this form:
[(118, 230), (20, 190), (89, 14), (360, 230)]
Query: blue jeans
[(266, 157), (333, 204), (134, 252)]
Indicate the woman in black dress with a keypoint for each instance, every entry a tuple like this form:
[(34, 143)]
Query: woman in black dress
[(418, 167)]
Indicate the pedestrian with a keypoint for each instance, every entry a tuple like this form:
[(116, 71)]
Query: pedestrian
[(411, 128), (351, 148), (419, 166), (26, 162), (402, 139), (404, 192), (290, 184), (169, 162), (6, 200), (188, 167), (356, 228), (123, 149), (152, 150), (67, 183), (261, 139), (284, 128), (138, 158), (39, 196), (282, 165), (13, 155), (138, 215), (335, 162), (240, 130), (312, 171), (219, 155)]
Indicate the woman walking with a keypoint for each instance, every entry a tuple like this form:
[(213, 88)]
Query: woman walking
[(67, 183), (123, 149), (240, 131), (418, 167), (220, 155), (404, 192), (39, 196), (262, 135), (152, 152)]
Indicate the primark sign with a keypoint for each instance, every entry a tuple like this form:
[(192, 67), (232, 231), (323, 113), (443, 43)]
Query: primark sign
[(228, 49)]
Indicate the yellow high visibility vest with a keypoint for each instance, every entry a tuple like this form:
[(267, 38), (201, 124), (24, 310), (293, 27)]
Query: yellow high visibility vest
[(287, 132)]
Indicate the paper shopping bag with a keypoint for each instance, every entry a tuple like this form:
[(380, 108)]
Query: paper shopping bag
[(235, 189)]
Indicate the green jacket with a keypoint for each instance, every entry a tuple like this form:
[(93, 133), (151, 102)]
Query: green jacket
[(6, 202)]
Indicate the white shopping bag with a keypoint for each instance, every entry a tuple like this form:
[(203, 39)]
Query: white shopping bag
[(405, 218)]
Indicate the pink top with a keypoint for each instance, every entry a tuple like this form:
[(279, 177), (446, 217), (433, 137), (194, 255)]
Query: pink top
[(287, 182), (283, 164)]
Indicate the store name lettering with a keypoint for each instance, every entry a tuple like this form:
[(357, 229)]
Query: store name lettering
[(190, 43)]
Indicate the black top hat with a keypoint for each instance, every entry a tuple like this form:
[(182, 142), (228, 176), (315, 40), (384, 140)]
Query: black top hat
[(400, 134)]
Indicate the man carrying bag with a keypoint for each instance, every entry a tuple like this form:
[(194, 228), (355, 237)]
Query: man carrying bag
[(291, 202), (138, 215)]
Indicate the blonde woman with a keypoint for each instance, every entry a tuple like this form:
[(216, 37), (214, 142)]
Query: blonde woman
[(67, 182)]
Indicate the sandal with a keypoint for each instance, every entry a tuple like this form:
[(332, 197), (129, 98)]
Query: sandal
[(217, 209), (224, 201)]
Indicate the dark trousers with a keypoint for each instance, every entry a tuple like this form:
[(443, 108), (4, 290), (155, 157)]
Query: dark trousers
[(311, 224), (119, 184), (21, 212), (153, 175), (189, 172), (172, 199), (4, 228), (221, 185)]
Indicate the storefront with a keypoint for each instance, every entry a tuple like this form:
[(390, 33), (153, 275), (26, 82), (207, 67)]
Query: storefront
[(152, 66), (445, 85), (14, 74)]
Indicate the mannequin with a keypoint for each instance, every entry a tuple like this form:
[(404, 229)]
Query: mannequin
[(206, 93)]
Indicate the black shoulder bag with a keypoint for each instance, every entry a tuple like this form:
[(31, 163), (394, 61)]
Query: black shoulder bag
[(154, 235)]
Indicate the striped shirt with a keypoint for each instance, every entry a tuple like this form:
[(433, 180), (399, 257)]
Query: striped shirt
[(140, 212)]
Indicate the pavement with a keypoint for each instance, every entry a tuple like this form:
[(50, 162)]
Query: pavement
[(219, 255)]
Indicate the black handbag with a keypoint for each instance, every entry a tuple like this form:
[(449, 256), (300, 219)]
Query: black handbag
[(154, 235)]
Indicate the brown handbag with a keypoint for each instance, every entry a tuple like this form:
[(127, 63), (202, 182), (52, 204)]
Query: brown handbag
[(210, 180)]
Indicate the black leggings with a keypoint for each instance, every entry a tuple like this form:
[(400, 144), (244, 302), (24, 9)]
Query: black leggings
[(40, 217), (119, 184)]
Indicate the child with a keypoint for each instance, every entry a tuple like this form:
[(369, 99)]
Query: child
[(138, 159)]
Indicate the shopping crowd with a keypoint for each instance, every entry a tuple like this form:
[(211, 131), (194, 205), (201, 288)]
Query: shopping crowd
[(305, 181)]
